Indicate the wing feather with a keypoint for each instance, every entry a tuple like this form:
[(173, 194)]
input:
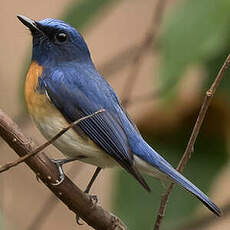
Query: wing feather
[(105, 129)]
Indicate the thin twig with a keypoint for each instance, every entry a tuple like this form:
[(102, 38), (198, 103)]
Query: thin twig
[(77, 201), (190, 146), (9, 165)]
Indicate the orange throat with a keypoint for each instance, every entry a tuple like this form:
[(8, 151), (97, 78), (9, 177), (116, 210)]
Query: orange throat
[(38, 104)]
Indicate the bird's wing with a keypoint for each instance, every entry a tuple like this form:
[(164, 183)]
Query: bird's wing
[(105, 128)]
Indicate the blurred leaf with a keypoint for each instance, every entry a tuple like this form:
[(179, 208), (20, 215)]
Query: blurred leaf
[(195, 31), (83, 12), (138, 209)]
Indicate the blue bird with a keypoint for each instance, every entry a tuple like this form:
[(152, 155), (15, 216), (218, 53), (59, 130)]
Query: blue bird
[(63, 85)]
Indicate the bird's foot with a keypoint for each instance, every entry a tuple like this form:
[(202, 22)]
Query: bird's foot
[(38, 178), (59, 164), (78, 220)]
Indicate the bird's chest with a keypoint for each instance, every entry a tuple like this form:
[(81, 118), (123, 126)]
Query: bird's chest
[(38, 104)]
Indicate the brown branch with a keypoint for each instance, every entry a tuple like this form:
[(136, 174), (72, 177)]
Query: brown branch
[(9, 165), (49, 205), (77, 201), (145, 45), (190, 146)]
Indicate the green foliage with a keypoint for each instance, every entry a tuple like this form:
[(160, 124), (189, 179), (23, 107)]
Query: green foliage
[(193, 33)]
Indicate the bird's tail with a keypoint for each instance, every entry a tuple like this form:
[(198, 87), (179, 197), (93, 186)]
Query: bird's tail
[(185, 183), (154, 159)]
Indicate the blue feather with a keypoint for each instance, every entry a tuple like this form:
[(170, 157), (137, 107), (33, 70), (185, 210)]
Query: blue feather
[(145, 152)]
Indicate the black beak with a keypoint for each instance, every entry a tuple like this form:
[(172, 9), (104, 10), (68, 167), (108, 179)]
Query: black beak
[(31, 24)]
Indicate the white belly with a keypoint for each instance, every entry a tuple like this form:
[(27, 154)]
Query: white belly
[(71, 144)]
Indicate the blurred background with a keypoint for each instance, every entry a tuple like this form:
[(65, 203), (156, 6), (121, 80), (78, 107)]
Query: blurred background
[(160, 57)]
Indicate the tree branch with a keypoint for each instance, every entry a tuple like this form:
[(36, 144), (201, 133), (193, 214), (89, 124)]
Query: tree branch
[(189, 149), (77, 201), (49, 205)]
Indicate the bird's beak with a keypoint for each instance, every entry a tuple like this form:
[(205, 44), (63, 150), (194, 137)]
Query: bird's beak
[(31, 24)]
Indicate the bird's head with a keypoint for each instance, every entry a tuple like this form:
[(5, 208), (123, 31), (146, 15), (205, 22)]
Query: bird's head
[(55, 41)]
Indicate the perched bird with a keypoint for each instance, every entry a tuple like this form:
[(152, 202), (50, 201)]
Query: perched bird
[(63, 85)]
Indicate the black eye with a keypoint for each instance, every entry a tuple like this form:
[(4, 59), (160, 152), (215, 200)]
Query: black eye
[(61, 37)]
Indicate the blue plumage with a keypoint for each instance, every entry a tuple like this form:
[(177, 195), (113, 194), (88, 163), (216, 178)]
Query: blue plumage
[(76, 89)]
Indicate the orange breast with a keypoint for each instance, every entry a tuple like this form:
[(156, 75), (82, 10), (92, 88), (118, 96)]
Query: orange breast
[(38, 104)]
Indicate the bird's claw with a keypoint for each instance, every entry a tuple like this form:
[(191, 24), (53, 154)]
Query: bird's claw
[(61, 179), (59, 164), (38, 178), (78, 220)]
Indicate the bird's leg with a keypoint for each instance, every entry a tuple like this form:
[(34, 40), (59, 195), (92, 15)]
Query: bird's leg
[(92, 197), (60, 163), (97, 171)]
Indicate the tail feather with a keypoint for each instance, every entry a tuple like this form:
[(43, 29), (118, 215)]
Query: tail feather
[(146, 153), (185, 183)]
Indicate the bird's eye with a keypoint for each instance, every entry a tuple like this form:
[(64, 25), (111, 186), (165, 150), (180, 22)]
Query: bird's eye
[(61, 37)]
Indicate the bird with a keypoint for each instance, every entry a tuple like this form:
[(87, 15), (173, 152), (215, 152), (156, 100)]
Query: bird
[(62, 85)]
